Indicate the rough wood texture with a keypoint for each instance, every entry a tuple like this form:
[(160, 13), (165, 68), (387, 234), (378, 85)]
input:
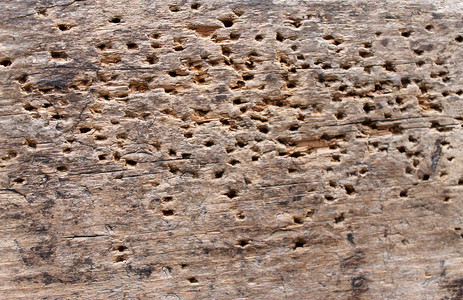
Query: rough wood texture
[(231, 150)]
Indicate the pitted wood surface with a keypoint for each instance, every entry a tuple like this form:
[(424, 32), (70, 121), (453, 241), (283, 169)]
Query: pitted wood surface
[(231, 150)]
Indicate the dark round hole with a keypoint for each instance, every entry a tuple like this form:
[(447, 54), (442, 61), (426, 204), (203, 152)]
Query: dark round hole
[(227, 23), (130, 162), (132, 46), (219, 174), (192, 280), (6, 62), (298, 244), (18, 180), (62, 168), (115, 20), (64, 27), (168, 212), (243, 243)]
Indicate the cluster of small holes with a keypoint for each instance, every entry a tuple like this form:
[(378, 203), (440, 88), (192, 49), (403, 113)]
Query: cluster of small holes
[(349, 99)]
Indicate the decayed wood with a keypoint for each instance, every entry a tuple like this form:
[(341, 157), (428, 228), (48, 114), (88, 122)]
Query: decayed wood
[(231, 150)]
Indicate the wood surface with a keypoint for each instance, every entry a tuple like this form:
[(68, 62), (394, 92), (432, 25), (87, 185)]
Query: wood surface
[(231, 149)]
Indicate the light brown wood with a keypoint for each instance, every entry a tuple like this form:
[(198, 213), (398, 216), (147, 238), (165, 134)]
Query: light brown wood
[(231, 150)]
